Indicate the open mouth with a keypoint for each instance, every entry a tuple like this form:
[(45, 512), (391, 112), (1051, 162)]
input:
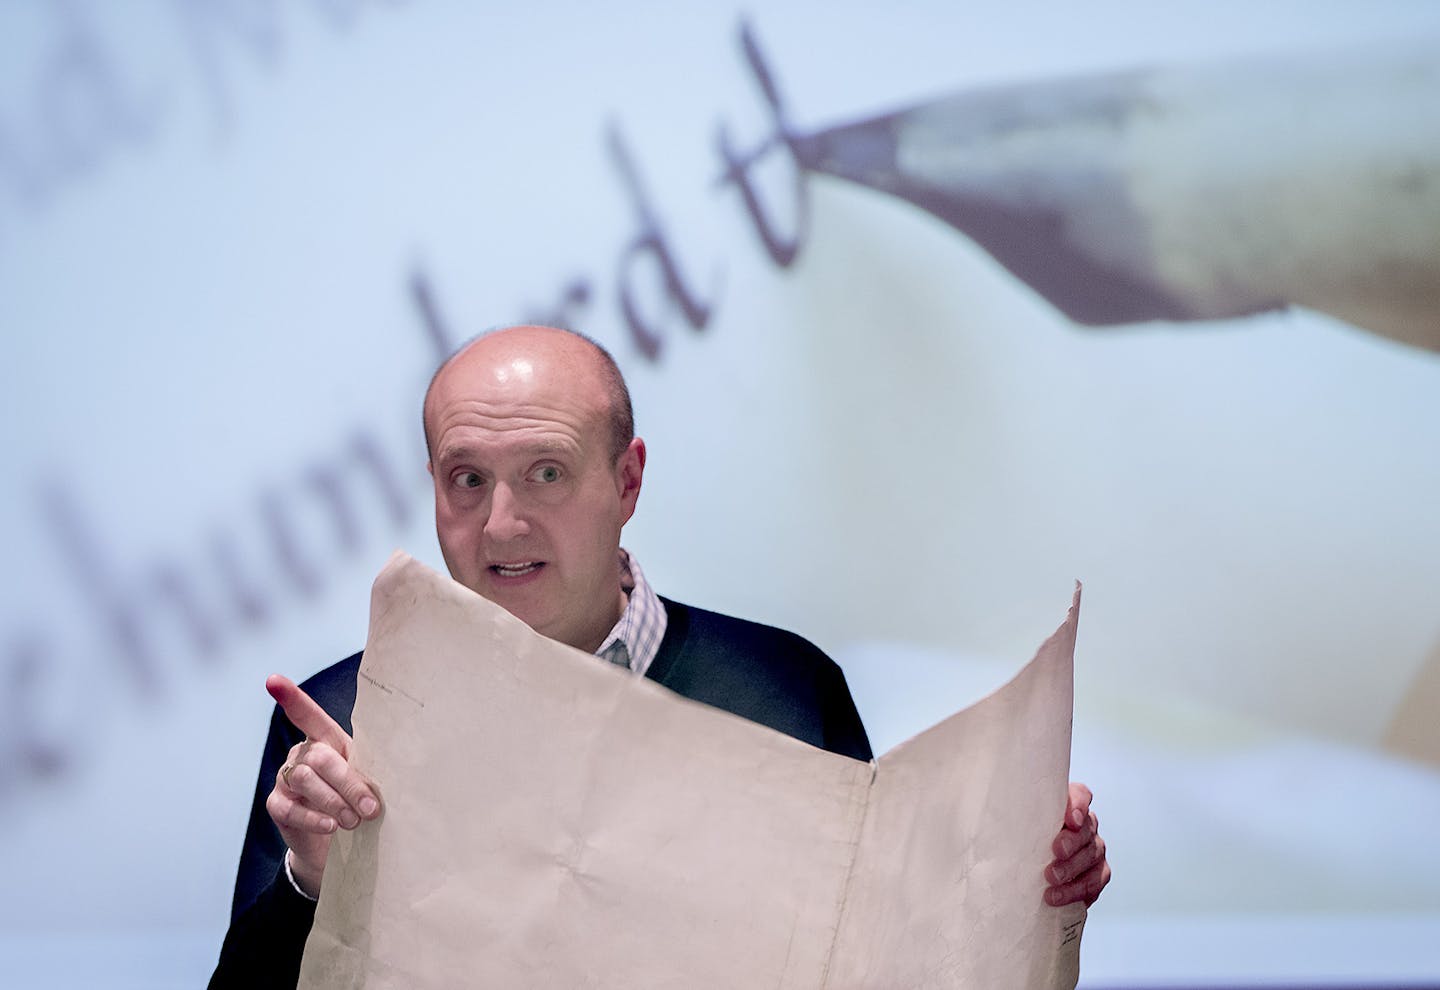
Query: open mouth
[(516, 570)]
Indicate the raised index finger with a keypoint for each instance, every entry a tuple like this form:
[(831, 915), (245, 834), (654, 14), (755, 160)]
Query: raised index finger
[(308, 716)]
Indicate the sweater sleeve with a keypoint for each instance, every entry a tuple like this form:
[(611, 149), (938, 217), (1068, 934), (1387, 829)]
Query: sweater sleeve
[(269, 919), (844, 731), (266, 940)]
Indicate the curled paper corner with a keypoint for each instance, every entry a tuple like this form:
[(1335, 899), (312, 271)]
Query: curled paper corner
[(399, 568), (403, 575), (1072, 616), (385, 594), (404, 580), (398, 559), (1064, 634)]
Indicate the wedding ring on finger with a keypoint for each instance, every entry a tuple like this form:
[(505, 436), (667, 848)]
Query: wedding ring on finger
[(285, 773)]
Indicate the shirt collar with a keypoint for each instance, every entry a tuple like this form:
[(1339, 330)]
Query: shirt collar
[(635, 639)]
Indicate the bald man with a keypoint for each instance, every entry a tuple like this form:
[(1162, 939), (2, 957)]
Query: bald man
[(536, 470)]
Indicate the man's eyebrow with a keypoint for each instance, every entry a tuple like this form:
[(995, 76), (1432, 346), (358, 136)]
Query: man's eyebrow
[(541, 447), (450, 452)]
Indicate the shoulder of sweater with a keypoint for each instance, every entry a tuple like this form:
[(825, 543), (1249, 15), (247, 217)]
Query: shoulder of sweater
[(337, 674), (689, 620), (333, 688)]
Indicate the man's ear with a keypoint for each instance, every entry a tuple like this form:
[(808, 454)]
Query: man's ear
[(629, 470)]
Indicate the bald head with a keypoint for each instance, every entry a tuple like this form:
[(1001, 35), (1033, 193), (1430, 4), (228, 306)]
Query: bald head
[(566, 351), (536, 472)]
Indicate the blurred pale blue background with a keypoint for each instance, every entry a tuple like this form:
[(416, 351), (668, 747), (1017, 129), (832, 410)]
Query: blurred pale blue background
[(229, 232)]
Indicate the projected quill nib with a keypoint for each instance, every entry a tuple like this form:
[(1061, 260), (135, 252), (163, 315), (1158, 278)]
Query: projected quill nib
[(1187, 193)]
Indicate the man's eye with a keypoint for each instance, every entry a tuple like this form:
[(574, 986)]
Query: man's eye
[(469, 480), (546, 473)]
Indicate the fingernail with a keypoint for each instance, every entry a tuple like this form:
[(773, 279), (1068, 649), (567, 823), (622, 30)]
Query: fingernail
[(368, 806), (1076, 818), (1067, 848), (328, 825), (349, 819)]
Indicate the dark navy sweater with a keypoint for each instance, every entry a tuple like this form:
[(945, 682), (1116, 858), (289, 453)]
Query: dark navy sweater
[(758, 672)]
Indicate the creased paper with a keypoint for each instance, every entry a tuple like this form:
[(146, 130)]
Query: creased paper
[(552, 821)]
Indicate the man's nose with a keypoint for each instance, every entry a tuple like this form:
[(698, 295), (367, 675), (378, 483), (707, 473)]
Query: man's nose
[(507, 519)]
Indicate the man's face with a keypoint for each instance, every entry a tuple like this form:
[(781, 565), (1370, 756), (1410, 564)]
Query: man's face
[(529, 500)]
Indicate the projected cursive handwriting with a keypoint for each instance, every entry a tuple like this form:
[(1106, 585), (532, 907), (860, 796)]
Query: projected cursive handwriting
[(127, 617), (85, 98)]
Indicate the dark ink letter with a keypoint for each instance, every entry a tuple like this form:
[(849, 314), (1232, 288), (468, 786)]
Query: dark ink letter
[(782, 250), (651, 240)]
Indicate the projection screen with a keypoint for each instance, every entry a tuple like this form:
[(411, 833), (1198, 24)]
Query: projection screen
[(928, 310)]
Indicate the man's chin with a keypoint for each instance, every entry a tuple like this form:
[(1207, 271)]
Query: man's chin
[(527, 605)]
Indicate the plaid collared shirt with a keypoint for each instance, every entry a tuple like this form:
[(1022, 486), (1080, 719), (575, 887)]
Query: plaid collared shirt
[(636, 637)]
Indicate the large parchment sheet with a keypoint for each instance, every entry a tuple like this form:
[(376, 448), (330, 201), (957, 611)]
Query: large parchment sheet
[(553, 821)]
